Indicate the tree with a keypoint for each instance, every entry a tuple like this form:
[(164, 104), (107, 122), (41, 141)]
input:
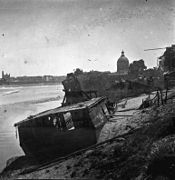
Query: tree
[(169, 61), (78, 71), (137, 66)]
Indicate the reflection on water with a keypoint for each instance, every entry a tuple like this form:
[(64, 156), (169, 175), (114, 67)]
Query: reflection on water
[(18, 102)]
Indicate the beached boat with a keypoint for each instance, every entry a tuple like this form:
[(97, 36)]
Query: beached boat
[(63, 130)]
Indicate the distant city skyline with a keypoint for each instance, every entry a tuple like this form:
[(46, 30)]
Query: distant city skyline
[(53, 37)]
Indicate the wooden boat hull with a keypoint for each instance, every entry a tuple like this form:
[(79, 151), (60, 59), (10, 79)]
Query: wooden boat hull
[(47, 143), (63, 130)]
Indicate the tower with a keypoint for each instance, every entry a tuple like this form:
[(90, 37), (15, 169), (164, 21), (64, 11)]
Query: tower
[(122, 64), (2, 74)]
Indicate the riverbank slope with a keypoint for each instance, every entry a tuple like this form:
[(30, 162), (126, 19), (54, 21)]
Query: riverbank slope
[(150, 141)]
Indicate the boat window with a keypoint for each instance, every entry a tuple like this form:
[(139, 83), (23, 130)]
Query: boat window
[(47, 121), (59, 122), (105, 110), (97, 116), (54, 121), (80, 119), (68, 120)]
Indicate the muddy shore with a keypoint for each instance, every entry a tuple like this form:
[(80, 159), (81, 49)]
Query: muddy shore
[(129, 157)]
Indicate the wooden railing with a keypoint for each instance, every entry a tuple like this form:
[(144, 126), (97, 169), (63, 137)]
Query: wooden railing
[(160, 98)]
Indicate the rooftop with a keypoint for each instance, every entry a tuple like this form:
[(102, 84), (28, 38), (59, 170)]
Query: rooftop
[(73, 107)]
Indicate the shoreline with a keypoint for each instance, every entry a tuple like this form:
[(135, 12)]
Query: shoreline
[(111, 125), (95, 164), (12, 113), (138, 122), (30, 84), (42, 100)]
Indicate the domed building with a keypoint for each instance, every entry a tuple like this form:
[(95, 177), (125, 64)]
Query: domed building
[(122, 65)]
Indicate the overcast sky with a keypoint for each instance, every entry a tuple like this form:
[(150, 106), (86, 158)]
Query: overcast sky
[(56, 36)]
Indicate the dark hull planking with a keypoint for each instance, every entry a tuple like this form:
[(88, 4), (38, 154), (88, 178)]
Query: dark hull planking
[(78, 126), (47, 143)]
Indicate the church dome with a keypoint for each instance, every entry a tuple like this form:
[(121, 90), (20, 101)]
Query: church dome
[(123, 58), (123, 64)]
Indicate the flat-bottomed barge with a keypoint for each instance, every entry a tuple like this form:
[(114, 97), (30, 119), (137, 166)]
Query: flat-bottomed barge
[(63, 130)]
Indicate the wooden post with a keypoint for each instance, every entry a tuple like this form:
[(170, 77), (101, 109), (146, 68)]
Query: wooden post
[(158, 98), (166, 95), (161, 96)]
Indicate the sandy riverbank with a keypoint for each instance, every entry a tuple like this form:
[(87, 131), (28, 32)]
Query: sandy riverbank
[(123, 158)]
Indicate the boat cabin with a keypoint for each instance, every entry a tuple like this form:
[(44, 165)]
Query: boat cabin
[(63, 130), (85, 114)]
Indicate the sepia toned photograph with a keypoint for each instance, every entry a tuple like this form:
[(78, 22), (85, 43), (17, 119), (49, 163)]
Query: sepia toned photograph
[(87, 89)]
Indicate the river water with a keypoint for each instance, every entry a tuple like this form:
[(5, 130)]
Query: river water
[(18, 102)]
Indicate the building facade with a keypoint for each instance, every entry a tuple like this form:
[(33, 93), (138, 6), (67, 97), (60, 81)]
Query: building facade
[(122, 64), (5, 78)]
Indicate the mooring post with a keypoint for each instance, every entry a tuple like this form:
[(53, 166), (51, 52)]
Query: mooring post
[(161, 96), (166, 95), (158, 98)]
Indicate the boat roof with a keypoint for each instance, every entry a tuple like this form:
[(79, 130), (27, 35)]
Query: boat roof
[(63, 109)]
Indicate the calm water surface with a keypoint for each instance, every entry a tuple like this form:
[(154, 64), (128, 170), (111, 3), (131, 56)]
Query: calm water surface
[(18, 102)]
